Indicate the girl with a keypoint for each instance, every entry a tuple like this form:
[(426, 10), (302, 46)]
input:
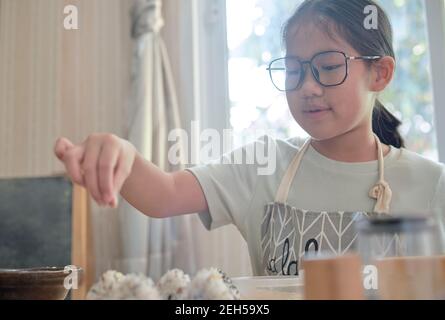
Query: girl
[(353, 163)]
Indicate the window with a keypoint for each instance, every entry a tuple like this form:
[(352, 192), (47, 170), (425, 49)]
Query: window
[(254, 38)]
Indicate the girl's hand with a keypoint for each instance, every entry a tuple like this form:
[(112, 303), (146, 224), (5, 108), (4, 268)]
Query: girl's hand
[(101, 164)]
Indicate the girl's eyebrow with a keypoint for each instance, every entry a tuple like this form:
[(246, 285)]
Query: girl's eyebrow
[(328, 49)]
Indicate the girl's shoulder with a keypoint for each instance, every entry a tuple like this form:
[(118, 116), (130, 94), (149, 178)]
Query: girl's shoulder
[(416, 160), (419, 167)]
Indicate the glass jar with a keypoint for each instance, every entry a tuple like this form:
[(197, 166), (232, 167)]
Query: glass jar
[(402, 257)]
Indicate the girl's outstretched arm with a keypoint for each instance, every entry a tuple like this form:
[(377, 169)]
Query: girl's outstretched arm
[(107, 165)]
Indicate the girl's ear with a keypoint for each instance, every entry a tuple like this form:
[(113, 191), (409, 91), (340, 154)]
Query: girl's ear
[(382, 73)]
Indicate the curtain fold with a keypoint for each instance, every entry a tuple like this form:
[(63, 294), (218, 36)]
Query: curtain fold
[(153, 246)]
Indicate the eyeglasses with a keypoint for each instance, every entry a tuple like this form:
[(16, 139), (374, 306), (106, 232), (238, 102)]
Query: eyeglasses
[(329, 68)]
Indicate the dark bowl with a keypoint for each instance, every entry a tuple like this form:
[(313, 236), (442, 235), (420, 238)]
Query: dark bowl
[(34, 283)]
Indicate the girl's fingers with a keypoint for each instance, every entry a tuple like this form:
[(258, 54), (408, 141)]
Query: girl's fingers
[(121, 174), (100, 164), (71, 156), (61, 147), (73, 159), (89, 166), (106, 166)]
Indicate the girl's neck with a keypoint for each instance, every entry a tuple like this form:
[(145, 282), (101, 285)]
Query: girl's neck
[(350, 147)]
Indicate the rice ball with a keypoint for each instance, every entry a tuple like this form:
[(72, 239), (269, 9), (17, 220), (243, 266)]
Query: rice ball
[(211, 284), (107, 287), (138, 287), (114, 285), (173, 285)]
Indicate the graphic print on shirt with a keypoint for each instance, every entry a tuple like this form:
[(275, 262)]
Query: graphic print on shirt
[(288, 233)]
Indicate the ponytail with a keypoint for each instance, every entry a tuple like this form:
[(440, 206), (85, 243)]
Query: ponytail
[(385, 124)]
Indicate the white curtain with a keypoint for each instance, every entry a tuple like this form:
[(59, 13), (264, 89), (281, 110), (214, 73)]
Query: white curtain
[(153, 246)]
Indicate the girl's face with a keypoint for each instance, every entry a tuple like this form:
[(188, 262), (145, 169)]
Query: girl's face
[(346, 107)]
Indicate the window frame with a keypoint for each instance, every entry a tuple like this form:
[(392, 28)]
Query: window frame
[(435, 18), (210, 71)]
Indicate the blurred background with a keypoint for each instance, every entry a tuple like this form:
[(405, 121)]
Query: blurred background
[(141, 68)]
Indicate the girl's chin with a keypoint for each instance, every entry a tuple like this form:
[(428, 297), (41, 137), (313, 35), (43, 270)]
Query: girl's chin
[(317, 130)]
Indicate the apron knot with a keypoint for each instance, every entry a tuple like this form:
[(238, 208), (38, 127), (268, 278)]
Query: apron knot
[(382, 192)]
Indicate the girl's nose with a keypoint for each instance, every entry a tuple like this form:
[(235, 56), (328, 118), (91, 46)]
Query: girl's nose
[(310, 86)]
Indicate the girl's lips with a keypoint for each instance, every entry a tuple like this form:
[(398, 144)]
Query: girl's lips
[(316, 114)]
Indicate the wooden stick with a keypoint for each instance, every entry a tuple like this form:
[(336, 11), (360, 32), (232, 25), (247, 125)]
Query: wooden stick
[(82, 244)]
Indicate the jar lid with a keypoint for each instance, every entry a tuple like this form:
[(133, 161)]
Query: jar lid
[(393, 224)]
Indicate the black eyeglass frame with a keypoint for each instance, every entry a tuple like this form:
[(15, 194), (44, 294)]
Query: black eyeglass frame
[(309, 62)]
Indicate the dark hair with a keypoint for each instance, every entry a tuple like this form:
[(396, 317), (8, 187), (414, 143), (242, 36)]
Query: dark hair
[(347, 18)]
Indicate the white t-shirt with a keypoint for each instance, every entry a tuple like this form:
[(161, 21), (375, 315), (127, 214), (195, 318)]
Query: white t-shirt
[(237, 193)]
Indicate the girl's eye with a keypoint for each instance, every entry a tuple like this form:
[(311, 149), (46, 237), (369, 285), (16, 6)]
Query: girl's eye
[(332, 67)]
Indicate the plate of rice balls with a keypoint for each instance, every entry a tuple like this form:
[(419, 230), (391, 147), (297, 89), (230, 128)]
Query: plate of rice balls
[(207, 284)]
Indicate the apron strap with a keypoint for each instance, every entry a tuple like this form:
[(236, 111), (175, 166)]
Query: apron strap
[(381, 191), (286, 182)]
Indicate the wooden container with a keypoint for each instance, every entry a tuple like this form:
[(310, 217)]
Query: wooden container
[(413, 278), (333, 278)]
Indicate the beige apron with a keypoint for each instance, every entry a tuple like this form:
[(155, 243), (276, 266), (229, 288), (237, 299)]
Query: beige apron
[(287, 233)]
